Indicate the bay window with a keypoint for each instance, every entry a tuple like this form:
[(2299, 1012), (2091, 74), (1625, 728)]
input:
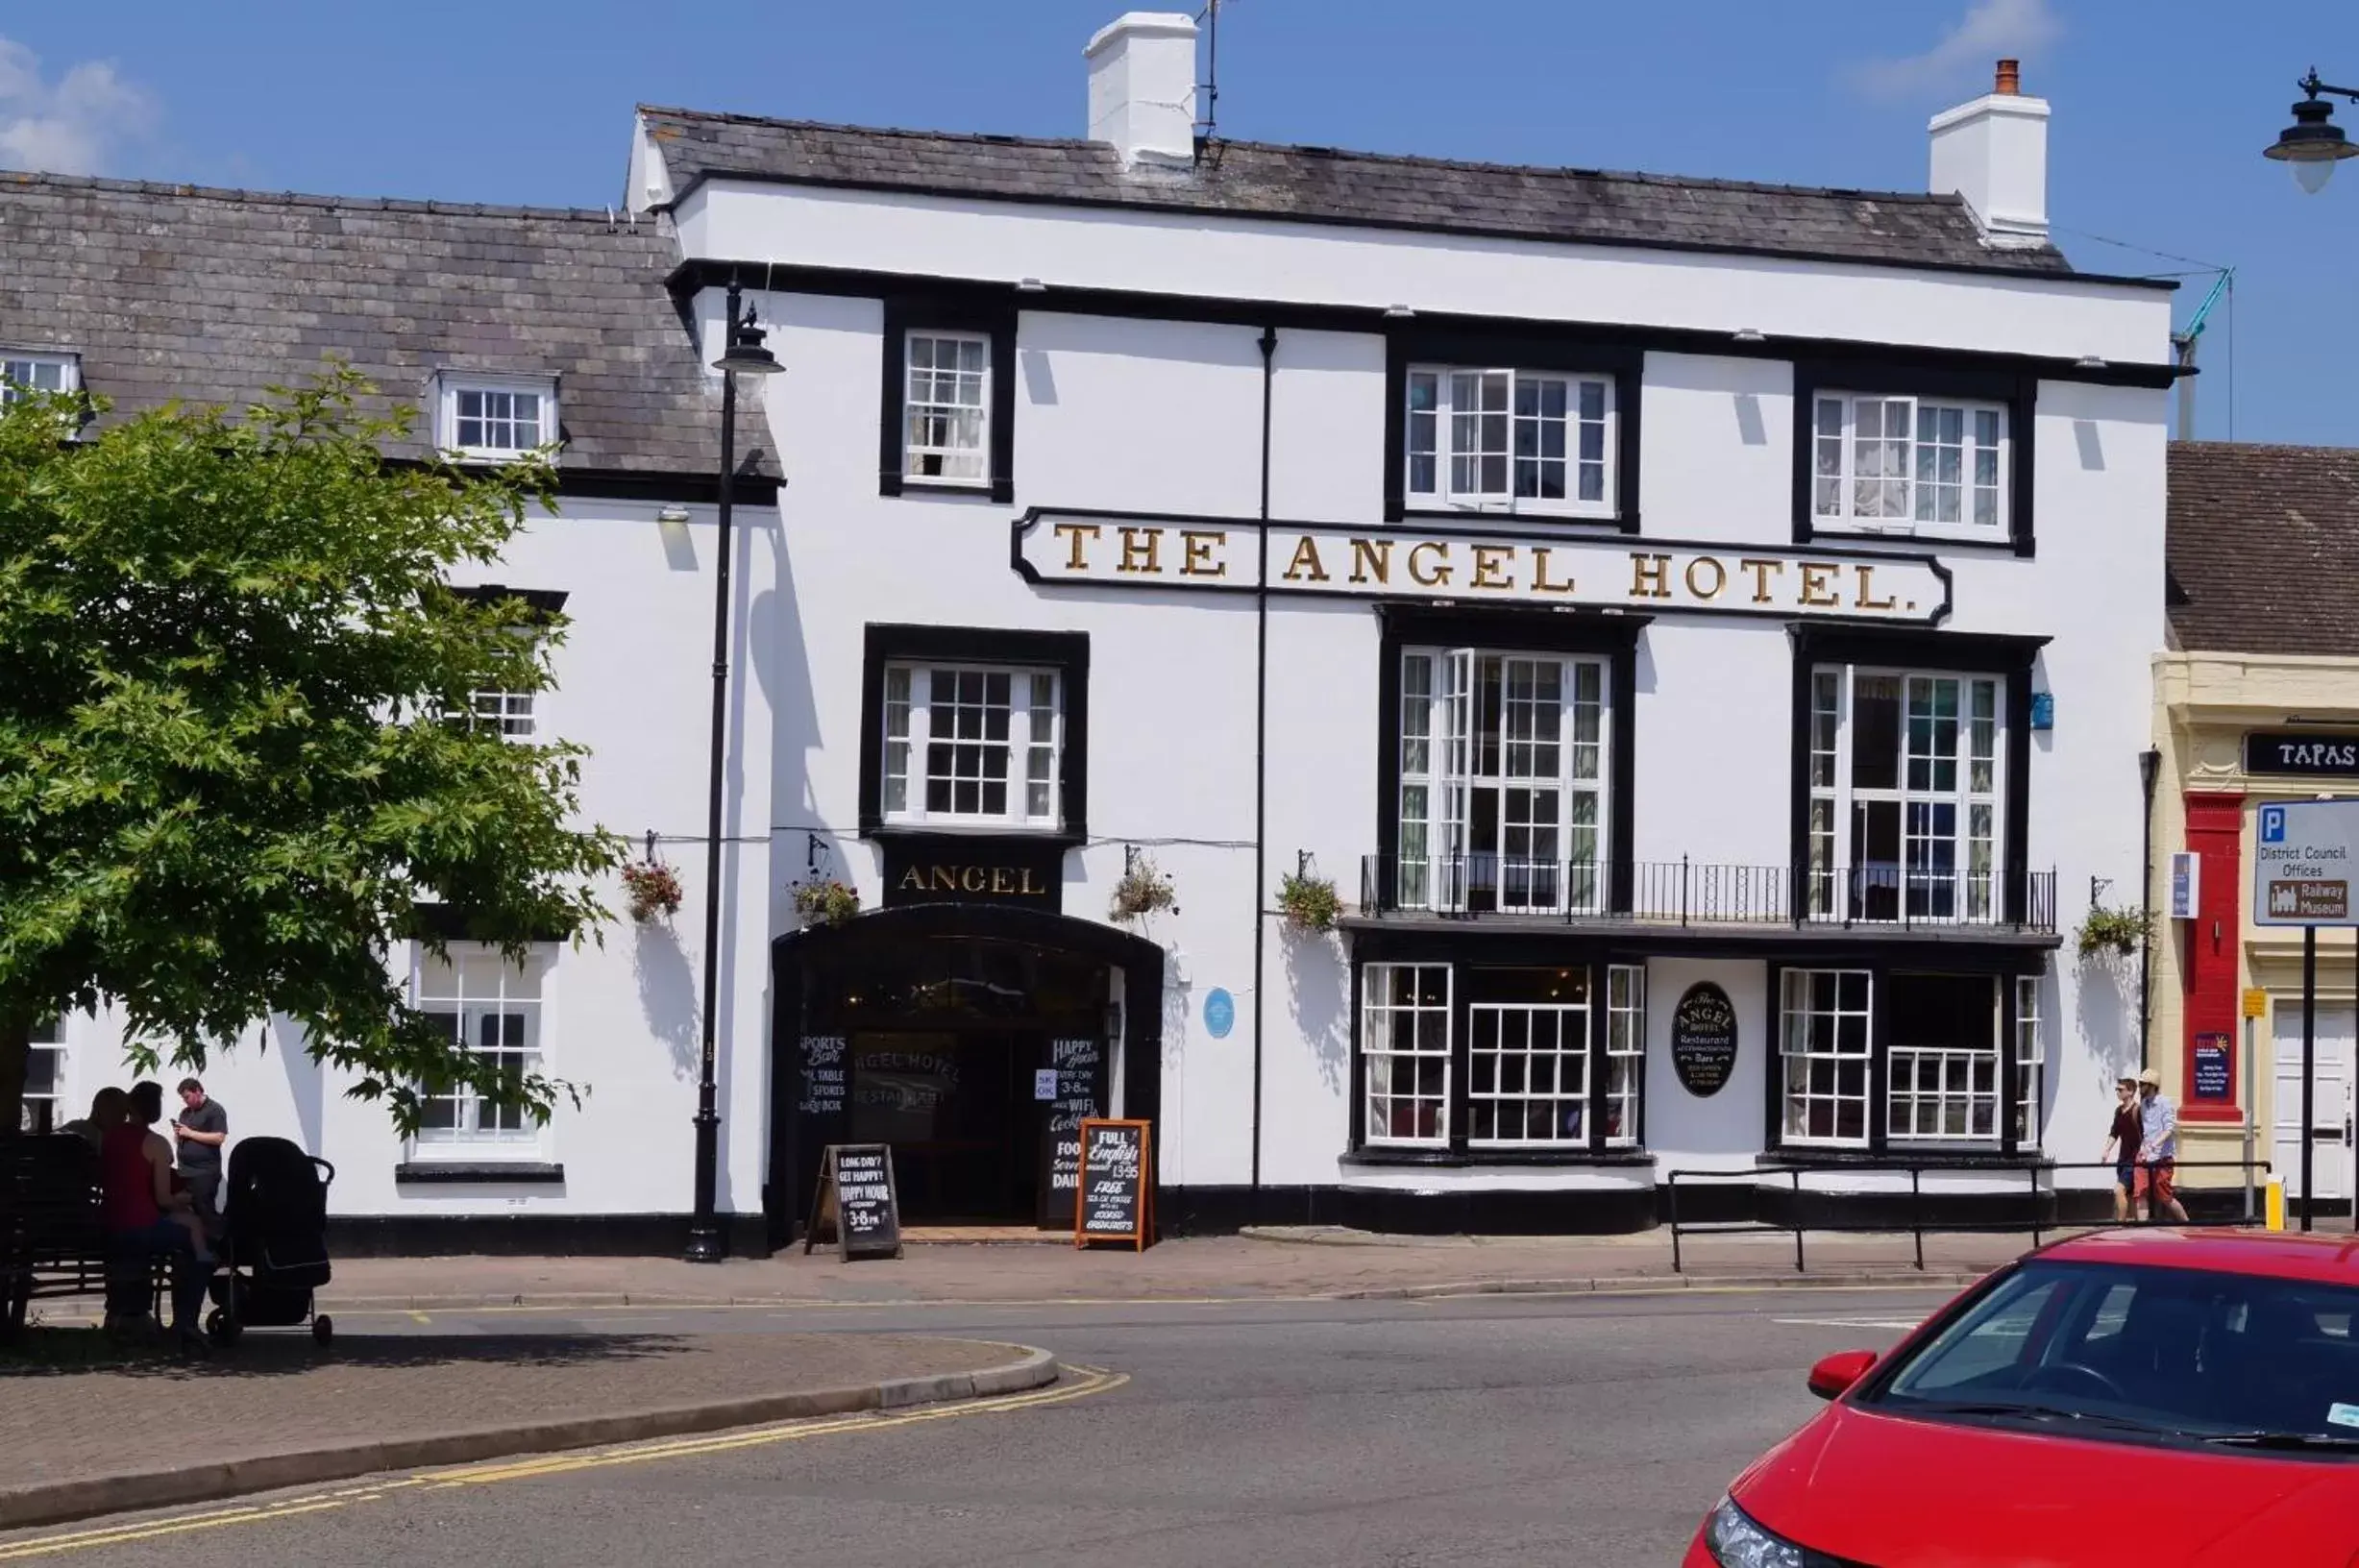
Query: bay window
[(1510, 440), (1504, 769), (1474, 1060), (1905, 795), (1907, 1061)]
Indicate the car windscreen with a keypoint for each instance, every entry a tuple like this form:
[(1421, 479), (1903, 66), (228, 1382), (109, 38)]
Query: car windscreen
[(2162, 1355)]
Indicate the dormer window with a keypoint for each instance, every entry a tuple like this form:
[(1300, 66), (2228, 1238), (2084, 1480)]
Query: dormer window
[(23, 374), (496, 418)]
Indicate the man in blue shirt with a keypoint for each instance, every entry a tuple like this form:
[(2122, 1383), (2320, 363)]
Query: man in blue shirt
[(2159, 1152)]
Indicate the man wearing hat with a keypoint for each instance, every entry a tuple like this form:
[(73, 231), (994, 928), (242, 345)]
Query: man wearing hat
[(2160, 1151)]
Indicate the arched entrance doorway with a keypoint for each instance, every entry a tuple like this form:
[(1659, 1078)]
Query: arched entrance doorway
[(967, 1037)]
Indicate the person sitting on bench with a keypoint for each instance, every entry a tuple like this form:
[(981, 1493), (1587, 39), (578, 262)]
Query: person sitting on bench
[(142, 1216)]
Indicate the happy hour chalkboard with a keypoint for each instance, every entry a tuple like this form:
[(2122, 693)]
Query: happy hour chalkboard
[(1078, 1066), (1117, 1192), (857, 1198), (1704, 1039)]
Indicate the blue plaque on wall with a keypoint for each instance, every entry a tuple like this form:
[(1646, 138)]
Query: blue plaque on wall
[(1219, 1014)]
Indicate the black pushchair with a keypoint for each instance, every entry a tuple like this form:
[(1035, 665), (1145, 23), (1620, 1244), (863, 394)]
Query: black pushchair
[(274, 1251)]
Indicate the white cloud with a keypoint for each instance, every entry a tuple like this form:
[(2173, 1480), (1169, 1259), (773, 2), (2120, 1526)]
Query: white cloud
[(1989, 31), (76, 125)]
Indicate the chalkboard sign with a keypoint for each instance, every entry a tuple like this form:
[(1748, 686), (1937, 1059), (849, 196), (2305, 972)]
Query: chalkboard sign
[(2212, 1068), (823, 1075), (857, 1201), (1078, 1066), (1704, 1039), (1118, 1184)]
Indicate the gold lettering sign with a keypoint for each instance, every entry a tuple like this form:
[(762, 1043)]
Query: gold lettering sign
[(1654, 577), (995, 881)]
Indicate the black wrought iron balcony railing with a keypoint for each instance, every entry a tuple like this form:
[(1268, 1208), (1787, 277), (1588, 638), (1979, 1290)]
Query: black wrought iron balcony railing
[(1703, 893)]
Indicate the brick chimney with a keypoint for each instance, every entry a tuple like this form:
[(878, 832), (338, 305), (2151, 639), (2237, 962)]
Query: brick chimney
[(1994, 153), (1143, 87)]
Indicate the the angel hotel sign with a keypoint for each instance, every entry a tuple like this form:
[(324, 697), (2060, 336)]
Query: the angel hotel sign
[(1622, 572)]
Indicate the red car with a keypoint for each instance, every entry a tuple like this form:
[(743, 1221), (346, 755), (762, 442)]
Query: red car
[(2144, 1398)]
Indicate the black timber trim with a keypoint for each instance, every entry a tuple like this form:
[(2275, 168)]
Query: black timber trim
[(2015, 387), (477, 1172), (1565, 350), (2000, 654), (1991, 269), (541, 602), (746, 489), (1067, 652), (531, 1236), (694, 275), (1613, 637), (948, 309)]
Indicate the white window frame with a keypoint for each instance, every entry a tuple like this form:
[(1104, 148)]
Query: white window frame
[(1853, 452), (451, 385), (1524, 1040), (48, 1039), (512, 715), (945, 461), (1622, 1095), (1848, 1040), (1941, 1095), (1475, 458), (1034, 745), (2030, 1062), (1385, 1050), (533, 1002), (1840, 885), (21, 367), (1438, 864)]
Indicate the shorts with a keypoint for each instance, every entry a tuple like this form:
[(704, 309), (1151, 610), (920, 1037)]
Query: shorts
[(2154, 1179), (2126, 1176)]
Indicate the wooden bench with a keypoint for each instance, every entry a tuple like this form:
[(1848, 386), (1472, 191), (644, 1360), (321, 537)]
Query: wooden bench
[(51, 1241)]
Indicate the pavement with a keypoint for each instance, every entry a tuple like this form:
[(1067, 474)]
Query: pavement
[(1590, 1430), (112, 1429), (1269, 1263)]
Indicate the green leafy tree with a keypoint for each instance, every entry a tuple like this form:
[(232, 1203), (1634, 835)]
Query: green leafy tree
[(235, 750)]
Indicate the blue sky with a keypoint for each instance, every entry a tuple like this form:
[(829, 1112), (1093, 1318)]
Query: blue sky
[(2161, 110)]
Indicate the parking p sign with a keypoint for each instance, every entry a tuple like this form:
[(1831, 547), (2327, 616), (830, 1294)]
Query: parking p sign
[(2302, 866)]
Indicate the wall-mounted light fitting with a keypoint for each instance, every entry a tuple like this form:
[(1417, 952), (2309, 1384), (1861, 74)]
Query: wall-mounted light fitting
[(672, 514), (2089, 362), (1030, 285), (1398, 312), (1748, 334)]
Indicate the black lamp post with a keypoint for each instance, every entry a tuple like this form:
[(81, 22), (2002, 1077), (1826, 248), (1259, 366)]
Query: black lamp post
[(2314, 144), (744, 355)]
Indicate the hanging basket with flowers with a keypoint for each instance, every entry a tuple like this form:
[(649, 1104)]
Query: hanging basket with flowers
[(1143, 890), (826, 902), (653, 891), (1307, 900)]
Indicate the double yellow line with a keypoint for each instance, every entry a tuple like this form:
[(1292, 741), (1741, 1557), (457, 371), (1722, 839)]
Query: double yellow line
[(1073, 1382)]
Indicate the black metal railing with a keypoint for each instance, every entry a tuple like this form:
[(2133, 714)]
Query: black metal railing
[(1918, 1210), (1688, 891)]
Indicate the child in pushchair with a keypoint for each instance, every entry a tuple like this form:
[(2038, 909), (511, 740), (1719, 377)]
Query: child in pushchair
[(274, 1252)]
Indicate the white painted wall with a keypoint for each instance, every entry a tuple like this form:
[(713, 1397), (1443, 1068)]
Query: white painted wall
[(1191, 253), (621, 1019)]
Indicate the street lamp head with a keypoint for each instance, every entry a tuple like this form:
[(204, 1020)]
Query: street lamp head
[(2313, 145), (746, 355)]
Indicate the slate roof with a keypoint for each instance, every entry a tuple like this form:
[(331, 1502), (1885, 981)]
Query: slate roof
[(1323, 184), (2263, 553), (209, 296)]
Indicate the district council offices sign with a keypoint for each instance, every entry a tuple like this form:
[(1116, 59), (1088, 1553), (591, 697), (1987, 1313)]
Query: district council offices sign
[(1616, 571), (2301, 866)]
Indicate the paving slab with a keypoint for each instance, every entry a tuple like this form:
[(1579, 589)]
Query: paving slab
[(95, 1428), (1262, 1263)]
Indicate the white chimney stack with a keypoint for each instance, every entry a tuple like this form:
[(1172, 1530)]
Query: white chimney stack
[(1142, 87), (1994, 153)]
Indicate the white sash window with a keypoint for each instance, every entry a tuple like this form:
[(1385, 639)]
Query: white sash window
[(1905, 816), (1503, 794)]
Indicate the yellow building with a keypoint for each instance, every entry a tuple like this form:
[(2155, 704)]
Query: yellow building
[(2256, 700)]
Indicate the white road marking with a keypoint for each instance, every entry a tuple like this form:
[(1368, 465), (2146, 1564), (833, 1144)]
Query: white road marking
[(1903, 1324)]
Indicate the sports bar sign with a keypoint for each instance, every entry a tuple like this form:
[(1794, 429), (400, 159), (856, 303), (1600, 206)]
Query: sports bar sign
[(1647, 575)]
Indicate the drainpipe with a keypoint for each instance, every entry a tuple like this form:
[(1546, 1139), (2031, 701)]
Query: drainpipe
[(1261, 753), (2149, 770)]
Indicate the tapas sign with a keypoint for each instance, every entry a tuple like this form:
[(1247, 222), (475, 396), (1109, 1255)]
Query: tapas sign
[(1117, 1188), (857, 1201)]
